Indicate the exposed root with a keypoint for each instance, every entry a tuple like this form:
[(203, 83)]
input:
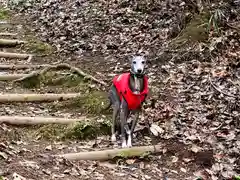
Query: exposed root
[(63, 66)]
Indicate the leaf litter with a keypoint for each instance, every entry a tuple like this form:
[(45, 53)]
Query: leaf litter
[(195, 88)]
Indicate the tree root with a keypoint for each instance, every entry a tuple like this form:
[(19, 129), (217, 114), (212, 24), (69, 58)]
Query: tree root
[(22, 120), (36, 97), (110, 154), (63, 66)]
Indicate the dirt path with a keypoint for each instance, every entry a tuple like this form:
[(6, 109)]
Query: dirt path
[(26, 154)]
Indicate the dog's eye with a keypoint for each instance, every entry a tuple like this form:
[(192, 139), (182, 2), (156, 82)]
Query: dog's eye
[(143, 62), (134, 62)]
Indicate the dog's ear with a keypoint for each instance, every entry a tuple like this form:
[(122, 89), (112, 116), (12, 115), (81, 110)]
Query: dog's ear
[(130, 58)]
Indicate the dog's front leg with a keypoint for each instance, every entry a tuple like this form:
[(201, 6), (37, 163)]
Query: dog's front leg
[(123, 118), (134, 123)]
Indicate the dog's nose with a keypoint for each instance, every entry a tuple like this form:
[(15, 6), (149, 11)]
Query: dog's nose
[(139, 70)]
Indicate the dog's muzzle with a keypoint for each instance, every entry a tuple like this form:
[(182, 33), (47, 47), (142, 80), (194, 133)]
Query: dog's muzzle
[(138, 73)]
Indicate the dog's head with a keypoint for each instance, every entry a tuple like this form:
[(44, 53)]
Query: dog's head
[(138, 65)]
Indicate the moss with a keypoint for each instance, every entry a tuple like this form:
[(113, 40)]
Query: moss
[(32, 82), (4, 14), (55, 78), (79, 130), (36, 46), (92, 102), (49, 132), (195, 31), (87, 130)]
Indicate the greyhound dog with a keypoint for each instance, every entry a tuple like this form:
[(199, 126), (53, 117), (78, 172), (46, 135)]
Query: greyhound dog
[(126, 95)]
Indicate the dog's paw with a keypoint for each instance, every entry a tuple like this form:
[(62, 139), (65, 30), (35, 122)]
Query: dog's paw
[(113, 138), (124, 144), (129, 142)]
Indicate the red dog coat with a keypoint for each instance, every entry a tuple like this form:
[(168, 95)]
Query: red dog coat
[(134, 101)]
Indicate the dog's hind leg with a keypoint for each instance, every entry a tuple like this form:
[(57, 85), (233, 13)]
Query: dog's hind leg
[(124, 112), (115, 101)]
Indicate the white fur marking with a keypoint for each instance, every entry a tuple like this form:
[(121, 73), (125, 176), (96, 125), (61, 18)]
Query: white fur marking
[(124, 145), (113, 138), (137, 85), (129, 141)]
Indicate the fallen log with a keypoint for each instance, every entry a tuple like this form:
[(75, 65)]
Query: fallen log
[(4, 22), (10, 42), (36, 97), (110, 154), (10, 77), (8, 34), (14, 55), (22, 120), (21, 66)]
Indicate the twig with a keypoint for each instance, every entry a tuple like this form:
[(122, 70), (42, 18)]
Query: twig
[(230, 95), (233, 27)]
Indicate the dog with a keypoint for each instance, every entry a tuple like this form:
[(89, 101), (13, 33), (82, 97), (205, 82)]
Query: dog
[(126, 95)]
